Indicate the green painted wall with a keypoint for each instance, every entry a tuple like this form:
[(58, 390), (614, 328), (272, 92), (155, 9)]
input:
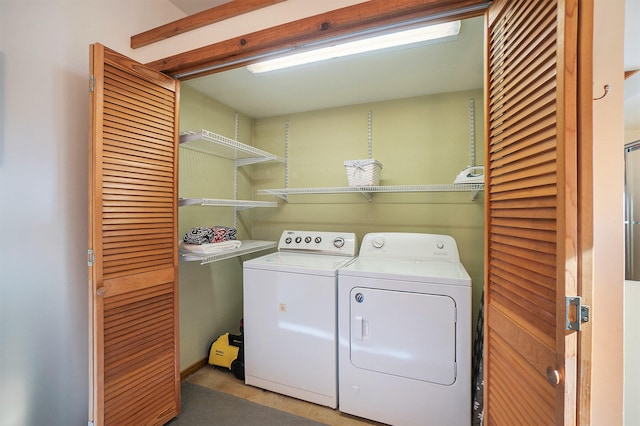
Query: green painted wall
[(422, 140), (419, 141), (210, 295)]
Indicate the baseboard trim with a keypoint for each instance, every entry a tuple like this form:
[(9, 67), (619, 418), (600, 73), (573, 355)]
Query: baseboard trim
[(192, 369)]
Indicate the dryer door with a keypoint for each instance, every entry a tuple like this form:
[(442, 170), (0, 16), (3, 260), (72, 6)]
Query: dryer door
[(405, 334)]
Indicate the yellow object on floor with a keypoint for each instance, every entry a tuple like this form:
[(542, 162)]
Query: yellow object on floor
[(222, 353)]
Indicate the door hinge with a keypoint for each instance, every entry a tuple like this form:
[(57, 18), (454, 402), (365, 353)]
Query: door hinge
[(92, 82), (91, 257), (575, 313)]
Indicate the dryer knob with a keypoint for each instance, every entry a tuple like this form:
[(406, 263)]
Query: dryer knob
[(338, 242), (378, 242)]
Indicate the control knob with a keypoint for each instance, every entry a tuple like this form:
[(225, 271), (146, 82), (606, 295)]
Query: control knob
[(338, 242), (378, 242)]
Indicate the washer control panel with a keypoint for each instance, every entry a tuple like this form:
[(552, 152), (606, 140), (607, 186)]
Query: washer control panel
[(338, 243)]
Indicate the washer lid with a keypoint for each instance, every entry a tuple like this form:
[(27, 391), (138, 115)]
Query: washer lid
[(408, 270), (299, 262)]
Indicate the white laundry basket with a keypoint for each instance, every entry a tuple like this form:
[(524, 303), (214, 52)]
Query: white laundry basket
[(363, 172)]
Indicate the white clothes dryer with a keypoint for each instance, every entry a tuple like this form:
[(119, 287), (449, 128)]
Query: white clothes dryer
[(404, 323), (290, 315)]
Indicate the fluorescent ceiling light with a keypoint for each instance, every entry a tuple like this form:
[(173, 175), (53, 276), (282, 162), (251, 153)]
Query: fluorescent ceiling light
[(416, 35)]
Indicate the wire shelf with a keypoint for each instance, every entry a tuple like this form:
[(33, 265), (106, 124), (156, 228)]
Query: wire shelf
[(247, 247), (221, 146), (240, 204), (474, 188)]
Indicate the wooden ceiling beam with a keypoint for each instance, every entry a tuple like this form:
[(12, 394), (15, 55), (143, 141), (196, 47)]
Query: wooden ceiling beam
[(628, 74), (200, 19), (367, 16)]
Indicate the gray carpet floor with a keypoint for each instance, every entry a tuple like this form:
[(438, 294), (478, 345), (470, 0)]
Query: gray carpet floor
[(203, 406)]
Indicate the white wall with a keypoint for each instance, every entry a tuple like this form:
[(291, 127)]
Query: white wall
[(608, 179), (632, 106), (631, 353), (43, 196)]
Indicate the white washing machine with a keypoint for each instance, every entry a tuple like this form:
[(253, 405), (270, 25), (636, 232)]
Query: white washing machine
[(290, 315), (404, 315)]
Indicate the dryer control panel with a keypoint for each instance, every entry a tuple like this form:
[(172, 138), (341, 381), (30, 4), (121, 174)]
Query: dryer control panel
[(413, 246), (337, 243)]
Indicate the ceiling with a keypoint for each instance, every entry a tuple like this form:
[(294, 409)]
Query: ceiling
[(194, 6), (369, 77), (397, 73)]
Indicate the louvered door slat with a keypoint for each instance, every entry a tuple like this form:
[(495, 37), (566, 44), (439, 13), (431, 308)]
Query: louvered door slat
[(136, 99), (539, 139), (518, 56), (117, 102), (135, 368), (143, 163), (110, 200), (533, 405), (541, 300), (118, 108), (130, 229), (119, 269), (528, 156), (135, 173), (140, 152), (142, 88), (121, 403), (136, 207), (524, 160), (520, 222), (147, 128), (139, 235), (135, 148), (138, 169), (537, 280), (135, 105), (156, 143)]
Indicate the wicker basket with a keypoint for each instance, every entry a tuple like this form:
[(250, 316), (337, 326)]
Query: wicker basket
[(363, 172)]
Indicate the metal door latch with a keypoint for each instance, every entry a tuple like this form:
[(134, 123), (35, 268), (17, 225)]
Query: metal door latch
[(575, 313)]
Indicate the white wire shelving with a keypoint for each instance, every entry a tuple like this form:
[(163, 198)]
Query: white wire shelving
[(221, 146), (367, 191), (247, 247), (283, 193), (219, 202)]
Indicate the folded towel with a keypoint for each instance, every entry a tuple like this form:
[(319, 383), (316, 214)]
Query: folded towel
[(210, 248), (198, 236), (206, 235), (219, 234)]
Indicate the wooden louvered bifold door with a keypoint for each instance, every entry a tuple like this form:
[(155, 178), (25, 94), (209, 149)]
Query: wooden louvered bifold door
[(135, 376), (530, 360)]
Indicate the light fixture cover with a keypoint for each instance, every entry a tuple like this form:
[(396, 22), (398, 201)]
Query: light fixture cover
[(415, 35)]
